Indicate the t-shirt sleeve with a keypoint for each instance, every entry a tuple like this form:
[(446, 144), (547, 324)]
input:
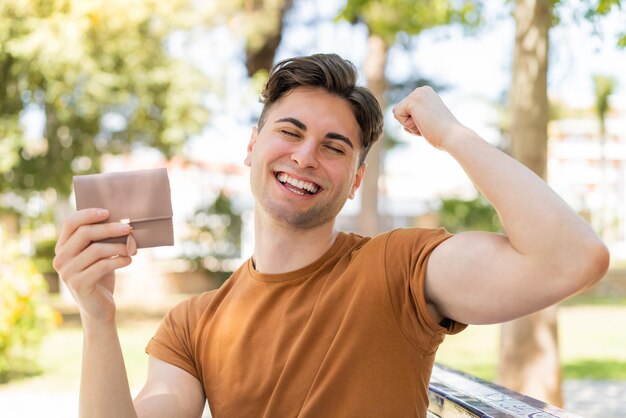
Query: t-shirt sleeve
[(174, 340), (406, 257)]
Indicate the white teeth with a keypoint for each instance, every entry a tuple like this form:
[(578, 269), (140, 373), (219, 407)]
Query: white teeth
[(305, 185)]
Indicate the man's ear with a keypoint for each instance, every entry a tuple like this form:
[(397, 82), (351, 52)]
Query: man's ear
[(253, 137), (358, 178)]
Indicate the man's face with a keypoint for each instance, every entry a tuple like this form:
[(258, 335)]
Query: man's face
[(305, 158)]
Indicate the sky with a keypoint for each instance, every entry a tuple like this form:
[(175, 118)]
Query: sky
[(475, 69)]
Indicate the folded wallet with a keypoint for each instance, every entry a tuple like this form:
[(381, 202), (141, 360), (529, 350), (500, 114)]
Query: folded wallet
[(140, 198)]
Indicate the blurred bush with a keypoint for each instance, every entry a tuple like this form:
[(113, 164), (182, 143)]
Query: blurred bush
[(213, 240), (459, 215), (25, 318), (44, 253)]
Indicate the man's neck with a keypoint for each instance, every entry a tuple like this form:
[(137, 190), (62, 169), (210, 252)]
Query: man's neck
[(282, 248)]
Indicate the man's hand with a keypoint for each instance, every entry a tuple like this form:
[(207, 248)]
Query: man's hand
[(87, 267), (423, 113)]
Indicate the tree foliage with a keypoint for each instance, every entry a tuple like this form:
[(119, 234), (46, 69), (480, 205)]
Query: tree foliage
[(99, 78), (597, 9), (591, 11), (387, 18)]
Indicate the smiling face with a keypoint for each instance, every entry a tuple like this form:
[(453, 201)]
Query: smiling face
[(305, 158)]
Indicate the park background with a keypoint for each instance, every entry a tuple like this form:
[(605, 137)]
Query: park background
[(91, 86)]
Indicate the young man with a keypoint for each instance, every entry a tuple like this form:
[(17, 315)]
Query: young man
[(320, 323)]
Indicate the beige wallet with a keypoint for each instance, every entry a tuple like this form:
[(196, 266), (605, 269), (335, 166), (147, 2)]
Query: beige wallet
[(139, 197)]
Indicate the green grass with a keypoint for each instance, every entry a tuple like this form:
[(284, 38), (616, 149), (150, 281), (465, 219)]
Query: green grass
[(475, 351), (593, 300), (60, 357), (595, 369), (591, 337)]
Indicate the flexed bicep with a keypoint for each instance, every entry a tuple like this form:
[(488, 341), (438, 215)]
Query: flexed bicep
[(480, 278)]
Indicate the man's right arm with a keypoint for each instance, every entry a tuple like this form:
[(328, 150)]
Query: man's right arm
[(169, 392), (88, 269)]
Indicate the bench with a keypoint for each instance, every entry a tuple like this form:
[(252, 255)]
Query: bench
[(455, 394)]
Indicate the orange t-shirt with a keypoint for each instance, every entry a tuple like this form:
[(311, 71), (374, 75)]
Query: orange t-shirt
[(346, 336)]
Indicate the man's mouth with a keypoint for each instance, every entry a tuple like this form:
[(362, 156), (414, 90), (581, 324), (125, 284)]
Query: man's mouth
[(300, 187)]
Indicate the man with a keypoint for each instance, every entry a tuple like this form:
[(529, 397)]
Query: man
[(320, 323)]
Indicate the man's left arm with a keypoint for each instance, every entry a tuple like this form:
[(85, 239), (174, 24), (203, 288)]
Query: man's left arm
[(547, 254)]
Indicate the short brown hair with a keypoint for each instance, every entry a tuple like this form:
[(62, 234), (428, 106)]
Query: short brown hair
[(335, 75)]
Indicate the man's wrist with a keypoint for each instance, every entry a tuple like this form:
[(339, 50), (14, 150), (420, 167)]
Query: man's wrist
[(457, 135), (94, 327)]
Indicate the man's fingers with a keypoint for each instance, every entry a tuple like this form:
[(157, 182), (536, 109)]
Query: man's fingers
[(413, 131), (92, 254), (86, 234), (83, 236), (410, 126), (75, 220), (400, 113), (406, 120), (92, 275)]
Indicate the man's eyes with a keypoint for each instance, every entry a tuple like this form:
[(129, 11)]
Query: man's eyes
[(334, 149), (331, 147), (289, 133)]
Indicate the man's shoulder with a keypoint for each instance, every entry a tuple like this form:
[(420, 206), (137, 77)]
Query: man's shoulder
[(395, 244), (409, 235), (193, 304), (417, 233)]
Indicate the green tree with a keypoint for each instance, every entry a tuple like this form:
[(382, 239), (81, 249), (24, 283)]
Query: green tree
[(102, 79), (385, 20), (529, 358)]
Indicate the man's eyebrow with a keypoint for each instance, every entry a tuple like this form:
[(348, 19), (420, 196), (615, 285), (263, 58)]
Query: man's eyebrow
[(343, 138), (330, 135), (294, 121)]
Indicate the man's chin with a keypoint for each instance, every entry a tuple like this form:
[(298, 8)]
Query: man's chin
[(301, 220)]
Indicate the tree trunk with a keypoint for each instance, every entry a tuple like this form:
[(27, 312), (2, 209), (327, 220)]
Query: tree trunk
[(260, 54), (529, 358), (368, 222)]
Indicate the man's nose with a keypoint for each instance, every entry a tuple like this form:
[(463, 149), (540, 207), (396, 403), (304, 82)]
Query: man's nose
[(305, 155)]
